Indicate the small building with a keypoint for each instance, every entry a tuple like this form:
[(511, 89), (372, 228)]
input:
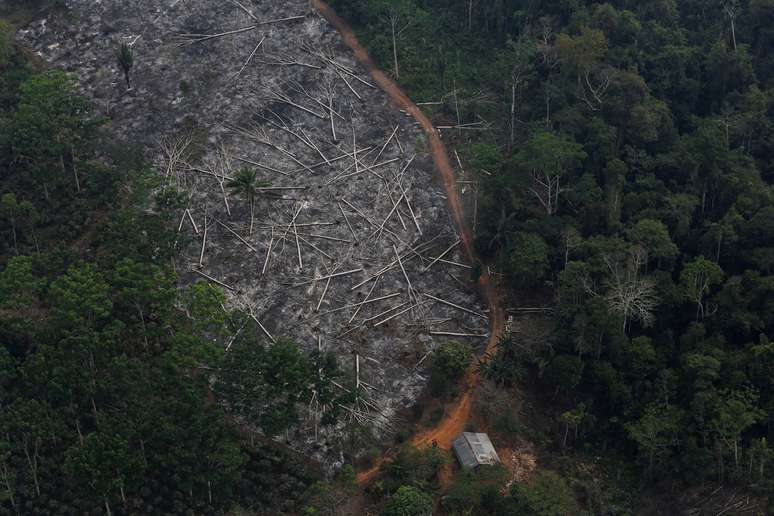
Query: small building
[(474, 449)]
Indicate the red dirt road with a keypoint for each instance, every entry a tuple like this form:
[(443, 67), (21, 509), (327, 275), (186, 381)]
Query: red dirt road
[(457, 413)]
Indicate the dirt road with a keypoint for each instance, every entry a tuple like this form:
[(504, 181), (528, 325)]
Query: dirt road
[(457, 414)]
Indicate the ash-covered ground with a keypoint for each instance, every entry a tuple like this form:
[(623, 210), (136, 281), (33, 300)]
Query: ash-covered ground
[(350, 220)]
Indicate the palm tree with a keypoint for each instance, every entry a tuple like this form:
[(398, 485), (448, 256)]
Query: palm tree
[(245, 184), (125, 57)]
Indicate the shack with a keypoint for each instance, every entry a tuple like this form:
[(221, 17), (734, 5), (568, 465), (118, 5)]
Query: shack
[(474, 449)]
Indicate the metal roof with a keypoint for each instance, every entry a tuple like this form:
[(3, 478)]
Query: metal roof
[(474, 449)]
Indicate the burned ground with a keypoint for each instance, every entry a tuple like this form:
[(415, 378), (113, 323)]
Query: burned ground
[(350, 223)]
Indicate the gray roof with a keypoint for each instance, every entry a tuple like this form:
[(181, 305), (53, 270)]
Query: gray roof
[(474, 449)]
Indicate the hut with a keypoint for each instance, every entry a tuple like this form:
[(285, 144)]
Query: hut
[(474, 449)]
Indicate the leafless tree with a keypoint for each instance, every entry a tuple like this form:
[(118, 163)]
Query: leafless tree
[(550, 59), (394, 18), (731, 7), (592, 86), (546, 189), (627, 292)]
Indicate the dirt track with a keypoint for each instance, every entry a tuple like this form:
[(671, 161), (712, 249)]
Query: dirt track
[(457, 414)]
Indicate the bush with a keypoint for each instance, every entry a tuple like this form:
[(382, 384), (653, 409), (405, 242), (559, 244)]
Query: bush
[(527, 262), (409, 501), (565, 372), (417, 467), (547, 495), (450, 362), (473, 490)]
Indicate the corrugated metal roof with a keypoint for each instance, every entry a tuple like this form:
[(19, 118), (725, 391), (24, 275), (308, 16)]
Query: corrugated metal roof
[(474, 449)]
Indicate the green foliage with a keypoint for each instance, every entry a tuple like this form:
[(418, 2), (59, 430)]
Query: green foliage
[(476, 492), (584, 51), (125, 59), (19, 286), (50, 122), (265, 385), (696, 280), (450, 361), (508, 366), (565, 372), (80, 298), (656, 432), (409, 501), (528, 259), (653, 236), (546, 495), (415, 467), (245, 183), (6, 43)]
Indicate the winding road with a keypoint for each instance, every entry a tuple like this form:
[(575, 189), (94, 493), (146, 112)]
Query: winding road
[(457, 414)]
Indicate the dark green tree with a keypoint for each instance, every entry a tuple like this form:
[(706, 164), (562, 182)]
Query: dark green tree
[(265, 385), (125, 59), (409, 501), (245, 184)]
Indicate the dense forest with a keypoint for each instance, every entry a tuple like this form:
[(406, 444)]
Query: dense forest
[(625, 161)]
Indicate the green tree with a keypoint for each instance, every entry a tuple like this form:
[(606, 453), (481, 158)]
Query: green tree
[(697, 278), (104, 460), (546, 495), (654, 237), (733, 412), (144, 297), (125, 60), (477, 491), (409, 501), (51, 125), (452, 358), (582, 55), (32, 428), (415, 467), (547, 156), (19, 286), (205, 306), (583, 51), (19, 214), (572, 418), (80, 299), (6, 43), (527, 259), (657, 431), (450, 361), (265, 385), (565, 372), (245, 183)]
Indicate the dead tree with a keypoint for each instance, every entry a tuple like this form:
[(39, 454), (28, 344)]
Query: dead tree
[(393, 17), (731, 7), (546, 189), (628, 293), (592, 87)]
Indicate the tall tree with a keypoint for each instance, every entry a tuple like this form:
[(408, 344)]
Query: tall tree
[(17, 214), (547, 156), (697, 278), (125, 59), (245, 183), (656, 431), (52, 124), (265, 384)]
